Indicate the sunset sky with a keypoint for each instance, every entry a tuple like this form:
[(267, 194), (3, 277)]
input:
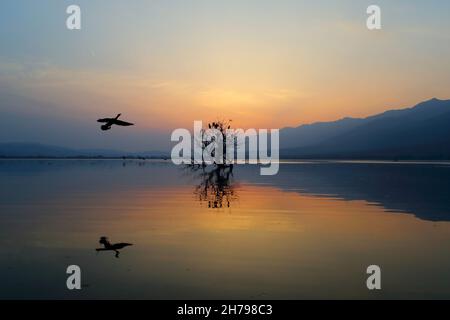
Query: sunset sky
[(165, 63)]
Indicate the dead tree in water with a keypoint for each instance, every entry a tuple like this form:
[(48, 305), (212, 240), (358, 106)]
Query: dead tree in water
[(216, 185), (222, 128)]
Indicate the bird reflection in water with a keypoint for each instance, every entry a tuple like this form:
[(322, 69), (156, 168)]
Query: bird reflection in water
[(108, 246), (216, 185)]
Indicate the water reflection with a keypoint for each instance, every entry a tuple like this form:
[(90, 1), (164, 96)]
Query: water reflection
[(108, 246), (216, 186), (285, 235), (414, 188), (418, 189)]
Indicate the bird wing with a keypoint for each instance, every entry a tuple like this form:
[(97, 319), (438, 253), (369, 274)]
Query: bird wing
[(122, 123), (121, 245), (104, 120)]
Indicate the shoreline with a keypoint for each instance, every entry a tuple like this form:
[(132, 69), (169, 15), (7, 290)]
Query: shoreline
[(281, 161)]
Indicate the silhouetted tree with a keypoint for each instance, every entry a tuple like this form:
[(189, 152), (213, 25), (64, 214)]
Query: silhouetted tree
[(216, 185), (227, 138)]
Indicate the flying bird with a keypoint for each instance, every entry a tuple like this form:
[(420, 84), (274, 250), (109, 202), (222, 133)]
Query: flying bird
[(110, 121)]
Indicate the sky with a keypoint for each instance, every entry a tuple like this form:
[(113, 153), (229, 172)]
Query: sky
[(165, 63)]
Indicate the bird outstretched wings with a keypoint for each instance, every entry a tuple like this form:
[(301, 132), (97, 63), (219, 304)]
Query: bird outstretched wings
[(112, 121), (109, 122), (104, 120), (122, 123)]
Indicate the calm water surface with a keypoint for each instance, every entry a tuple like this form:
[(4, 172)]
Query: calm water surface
[(309, 232)]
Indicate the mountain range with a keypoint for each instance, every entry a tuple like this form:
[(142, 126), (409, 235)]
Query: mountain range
[(419, 132)]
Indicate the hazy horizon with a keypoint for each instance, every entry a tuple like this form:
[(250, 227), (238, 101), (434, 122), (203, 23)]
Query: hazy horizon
[(169, 145)]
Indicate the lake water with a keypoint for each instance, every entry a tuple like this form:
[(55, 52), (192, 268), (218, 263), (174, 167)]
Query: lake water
[(309, 232)]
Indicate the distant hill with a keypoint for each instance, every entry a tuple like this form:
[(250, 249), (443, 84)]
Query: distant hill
[(36, 150), (420, 132)]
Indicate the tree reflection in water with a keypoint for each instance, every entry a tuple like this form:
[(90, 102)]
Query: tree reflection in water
[(216, 185)]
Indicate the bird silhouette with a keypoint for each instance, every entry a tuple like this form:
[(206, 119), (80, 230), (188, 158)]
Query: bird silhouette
[(107, 246), (111, 121)]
